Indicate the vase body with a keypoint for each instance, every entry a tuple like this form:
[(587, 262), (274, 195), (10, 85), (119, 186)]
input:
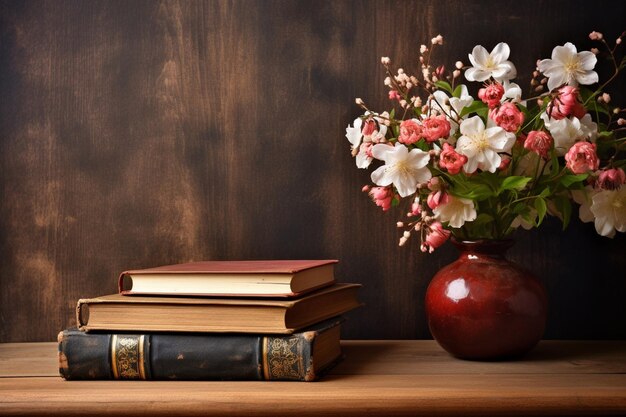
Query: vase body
[(484, 307)]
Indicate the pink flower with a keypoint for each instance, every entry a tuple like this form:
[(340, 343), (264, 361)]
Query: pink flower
[(436, 237), (415, 208), (595, 36), (451, 160), (437, 198), (410, 132), (539, 142), (435, 127), (611, 179), (568, 95), (504, 163), (491, 94), (382, 196), (366, 149), (565, 104), (434, 184), (507, 116), (369, 127), (582, 158), (393, 95)]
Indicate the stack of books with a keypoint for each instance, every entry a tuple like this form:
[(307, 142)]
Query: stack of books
[(214, 320)]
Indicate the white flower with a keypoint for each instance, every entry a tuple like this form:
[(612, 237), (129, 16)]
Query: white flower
[(363, 160), (529, 163), (609, 209), (512, 91), (568, 66), (404, 169), (440, 103), (355, 136), (491, 64), (606, 208), (450, 107), (481, 145), (456, 211), (583, 197), (458, 103), (589, 128), (567, 131)]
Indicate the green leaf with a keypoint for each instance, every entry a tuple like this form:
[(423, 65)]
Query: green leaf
[(526, 113), (554, 165), (477, 107), (487, 178), (458, 91), (476, 192), (422, 145), (527, 217), (483, 223), (564, 206), (545, 192), (483, 219), (514, 183), (540, 206), (444, 85), (395, 201), (473, 188), (482, 226), (520, 208), (585, 93), (568, 180)]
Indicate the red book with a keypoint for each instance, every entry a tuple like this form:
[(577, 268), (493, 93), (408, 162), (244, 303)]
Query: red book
[(282, 278)]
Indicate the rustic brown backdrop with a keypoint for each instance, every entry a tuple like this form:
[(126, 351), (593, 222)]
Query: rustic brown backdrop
[(140, 133)]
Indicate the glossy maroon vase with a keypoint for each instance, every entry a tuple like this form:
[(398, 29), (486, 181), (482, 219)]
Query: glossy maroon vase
[(484, 307)]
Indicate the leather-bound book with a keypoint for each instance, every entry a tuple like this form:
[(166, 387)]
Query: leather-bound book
[(302, 356)]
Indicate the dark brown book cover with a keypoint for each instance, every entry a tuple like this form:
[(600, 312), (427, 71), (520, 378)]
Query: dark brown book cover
[(224, 278), (303, 356)]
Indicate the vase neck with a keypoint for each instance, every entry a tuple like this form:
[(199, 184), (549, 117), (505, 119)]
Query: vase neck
[(490, 248)]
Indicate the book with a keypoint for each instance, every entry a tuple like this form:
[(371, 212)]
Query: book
[(218, 314), (279, 278), (303, 356)]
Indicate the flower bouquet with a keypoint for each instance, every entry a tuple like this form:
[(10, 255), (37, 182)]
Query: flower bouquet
[(481, 168)]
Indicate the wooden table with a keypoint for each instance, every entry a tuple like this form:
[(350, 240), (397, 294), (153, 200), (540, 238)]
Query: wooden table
[(377, 377)]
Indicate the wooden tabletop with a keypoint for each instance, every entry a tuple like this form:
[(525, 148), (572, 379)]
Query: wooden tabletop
[(376, 378)]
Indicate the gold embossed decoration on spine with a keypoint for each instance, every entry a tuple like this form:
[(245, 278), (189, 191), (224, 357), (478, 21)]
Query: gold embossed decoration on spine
[(266, 370), (284, 358), (127, 356)]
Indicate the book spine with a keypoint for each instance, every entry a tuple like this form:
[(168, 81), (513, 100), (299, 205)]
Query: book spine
[(185, 357), (120, 282)]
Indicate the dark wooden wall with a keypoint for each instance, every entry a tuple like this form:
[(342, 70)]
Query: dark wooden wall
[(140, 133)]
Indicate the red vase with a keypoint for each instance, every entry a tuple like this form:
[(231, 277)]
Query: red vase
[(484, 307)]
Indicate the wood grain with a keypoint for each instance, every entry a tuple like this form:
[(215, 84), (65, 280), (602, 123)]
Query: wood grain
[(389, 357), (136, 134), (376, 378)]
